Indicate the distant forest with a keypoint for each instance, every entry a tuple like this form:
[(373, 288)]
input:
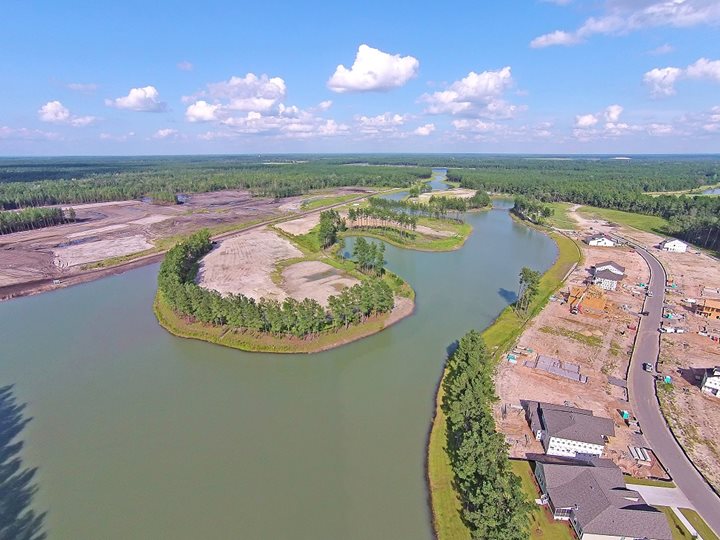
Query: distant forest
[(26, 183), (620, 184)]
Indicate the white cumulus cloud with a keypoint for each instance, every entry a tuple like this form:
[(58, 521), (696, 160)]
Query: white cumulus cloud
[(145, 99), (477, 94), (373, 70), (56, 113), (424, 130), (201, 111), (661, 81), (585, 120)]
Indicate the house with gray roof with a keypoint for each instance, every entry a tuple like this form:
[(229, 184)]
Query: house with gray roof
[(591, 495), (568, 431), (610, 265)]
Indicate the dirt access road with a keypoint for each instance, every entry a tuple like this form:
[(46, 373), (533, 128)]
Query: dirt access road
[(34, 261)]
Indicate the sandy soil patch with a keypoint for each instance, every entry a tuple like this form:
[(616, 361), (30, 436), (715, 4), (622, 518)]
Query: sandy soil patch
[(422, 229), (316, 280), (97, 251), (243, 264), (459, 193), (99, 230), (155, 218), (301, 225)]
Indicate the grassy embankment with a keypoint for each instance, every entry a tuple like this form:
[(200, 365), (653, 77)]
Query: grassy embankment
[(700, 526), (560, 219), (652, 224), (315, 203), (263, 342), (498, 337)]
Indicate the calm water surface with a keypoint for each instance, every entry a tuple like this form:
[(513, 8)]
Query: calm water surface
[(138, 434)]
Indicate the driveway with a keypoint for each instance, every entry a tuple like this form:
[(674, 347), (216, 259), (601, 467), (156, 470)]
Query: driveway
[(662, 496)]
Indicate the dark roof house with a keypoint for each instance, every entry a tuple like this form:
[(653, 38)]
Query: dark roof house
[(593, 496), (568, 422)]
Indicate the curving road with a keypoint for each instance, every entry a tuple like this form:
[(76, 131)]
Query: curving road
[(641, 387)]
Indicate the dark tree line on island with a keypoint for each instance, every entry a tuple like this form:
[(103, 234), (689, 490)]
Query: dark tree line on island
[(438, 206), (18, 519), (493, 505), (692, 218), (299, 318), (531, 210), (34, 218)]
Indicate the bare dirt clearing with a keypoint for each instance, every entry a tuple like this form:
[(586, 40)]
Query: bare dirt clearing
[(99, 250), (459, 193), (301, 225), (316, 280), (243, 265), (27, 259)]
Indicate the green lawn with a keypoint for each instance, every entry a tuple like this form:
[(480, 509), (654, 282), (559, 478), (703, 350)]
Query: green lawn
[(653, 224), (498, 337), (312, 204), (649, 482), (678, 530), (561, 219), (542, 526), (700, 526)]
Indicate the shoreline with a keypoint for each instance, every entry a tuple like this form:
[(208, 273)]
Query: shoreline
[(505, 328), (267, 343)]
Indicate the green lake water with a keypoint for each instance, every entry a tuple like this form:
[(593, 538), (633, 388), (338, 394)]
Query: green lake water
[(141, 435)]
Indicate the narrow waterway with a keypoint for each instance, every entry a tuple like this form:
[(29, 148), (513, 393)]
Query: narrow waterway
[(138, 434)]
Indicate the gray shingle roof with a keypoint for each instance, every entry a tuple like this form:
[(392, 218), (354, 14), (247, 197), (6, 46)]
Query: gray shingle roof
[(611, 263), (602, 503), (568, 422), (607, 274)]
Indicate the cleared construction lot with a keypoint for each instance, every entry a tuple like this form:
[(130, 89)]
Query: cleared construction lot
[(693, 416), (246, 264), (31, 261), (596, 342)]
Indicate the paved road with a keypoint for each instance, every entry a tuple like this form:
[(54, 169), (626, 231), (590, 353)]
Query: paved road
[(645, 406)]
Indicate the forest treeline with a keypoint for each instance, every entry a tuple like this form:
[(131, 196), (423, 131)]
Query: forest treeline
[(34, 218), (164, 180), (692, 218), (493, 505), (299, 318)]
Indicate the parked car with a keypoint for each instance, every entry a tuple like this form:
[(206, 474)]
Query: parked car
[(648, 367), (644, 313), (650, 294)]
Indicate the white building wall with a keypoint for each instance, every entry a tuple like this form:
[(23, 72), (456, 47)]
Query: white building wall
[(607, 284), (711, 385), (602, 242), (570, 448)]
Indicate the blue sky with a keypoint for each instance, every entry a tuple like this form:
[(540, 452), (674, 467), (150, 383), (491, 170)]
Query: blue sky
[(561, 76)]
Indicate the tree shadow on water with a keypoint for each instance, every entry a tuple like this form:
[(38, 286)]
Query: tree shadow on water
[(18, 520), (509, 296)]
